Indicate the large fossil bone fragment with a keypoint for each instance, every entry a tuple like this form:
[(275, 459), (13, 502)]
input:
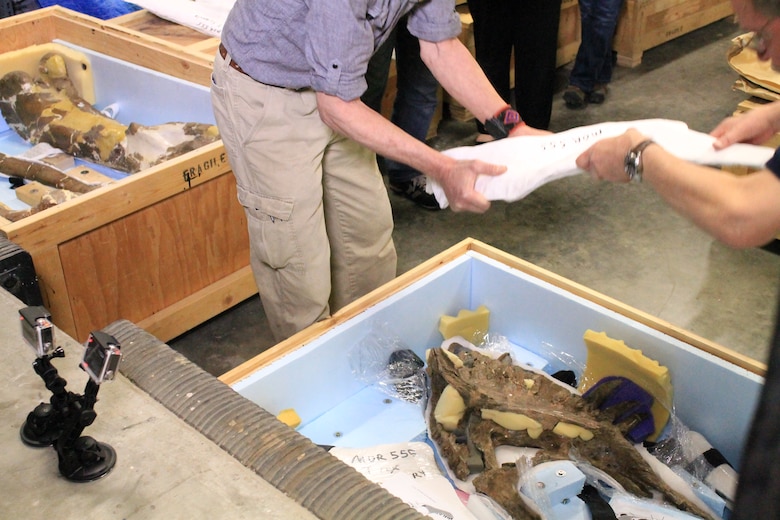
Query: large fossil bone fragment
[(505, 404), (47, 108)]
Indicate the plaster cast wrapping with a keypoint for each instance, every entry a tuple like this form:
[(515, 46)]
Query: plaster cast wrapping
[(533, 161)]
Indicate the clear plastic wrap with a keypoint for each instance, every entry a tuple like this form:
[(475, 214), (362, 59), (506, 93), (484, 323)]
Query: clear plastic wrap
[(382, 359)]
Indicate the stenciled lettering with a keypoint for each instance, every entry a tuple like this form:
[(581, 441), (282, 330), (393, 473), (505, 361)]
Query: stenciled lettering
[(193, 172)]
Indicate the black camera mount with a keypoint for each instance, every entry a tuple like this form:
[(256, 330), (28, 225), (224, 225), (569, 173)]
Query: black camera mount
[(61, 422)]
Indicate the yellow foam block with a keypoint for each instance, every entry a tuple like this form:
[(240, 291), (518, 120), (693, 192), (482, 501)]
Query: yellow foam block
[(471, 325), (77, 63), (611, 357), (32, 192), (289, 417)]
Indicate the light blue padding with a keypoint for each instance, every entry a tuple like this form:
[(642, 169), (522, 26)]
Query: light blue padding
[(558, 481), (141, 95), (554, 487), (368, 418), (316, 378)]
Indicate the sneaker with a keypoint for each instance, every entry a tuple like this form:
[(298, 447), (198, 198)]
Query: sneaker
[(575, 97), (598, 95), (414, 190)]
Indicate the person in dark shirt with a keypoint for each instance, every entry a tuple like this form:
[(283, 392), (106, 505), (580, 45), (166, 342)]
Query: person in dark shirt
[(741, 211), (529, 29)]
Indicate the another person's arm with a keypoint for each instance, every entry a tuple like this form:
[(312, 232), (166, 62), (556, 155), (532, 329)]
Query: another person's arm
[(755, 126), (461, 76), (741, 211)]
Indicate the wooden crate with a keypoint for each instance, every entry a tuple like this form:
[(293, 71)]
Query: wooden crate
[(644, 24), (169, 34), (167, 247), (315, 372), (568, 32)]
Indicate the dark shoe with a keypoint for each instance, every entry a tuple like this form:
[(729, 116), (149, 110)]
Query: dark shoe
[(575, 97), (414, 190), (598, 95)]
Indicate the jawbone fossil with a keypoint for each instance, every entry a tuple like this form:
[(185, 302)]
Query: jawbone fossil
[(508, 405)]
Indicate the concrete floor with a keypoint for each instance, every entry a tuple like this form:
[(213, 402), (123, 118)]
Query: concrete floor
[(622, 241), (153, 446)]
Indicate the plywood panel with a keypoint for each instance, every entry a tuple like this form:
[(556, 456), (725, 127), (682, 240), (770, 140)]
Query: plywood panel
[(147, 261)]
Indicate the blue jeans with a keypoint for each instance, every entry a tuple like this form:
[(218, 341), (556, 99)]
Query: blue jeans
[(416, 98), (594, 62)]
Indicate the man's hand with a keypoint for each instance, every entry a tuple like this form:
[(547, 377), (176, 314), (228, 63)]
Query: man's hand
[(755, 126), (458, 184), (605, 160)]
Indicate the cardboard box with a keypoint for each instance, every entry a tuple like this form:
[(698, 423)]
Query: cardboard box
[(166, 247), (313, 371), (644, 24)]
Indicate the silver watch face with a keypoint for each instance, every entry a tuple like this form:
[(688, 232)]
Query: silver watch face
[(631, 164)]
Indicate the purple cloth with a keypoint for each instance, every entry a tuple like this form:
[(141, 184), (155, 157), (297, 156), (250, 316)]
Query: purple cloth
[(638, 403)]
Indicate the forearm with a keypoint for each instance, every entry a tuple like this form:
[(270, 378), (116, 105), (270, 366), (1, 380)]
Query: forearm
[(741, 211), (457, 178), (355, 120), (459, 74)]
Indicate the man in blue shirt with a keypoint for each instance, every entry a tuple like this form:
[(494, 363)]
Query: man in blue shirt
[(286, 92)]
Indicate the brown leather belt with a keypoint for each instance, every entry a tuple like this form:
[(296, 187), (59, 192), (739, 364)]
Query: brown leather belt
[(223, 52)]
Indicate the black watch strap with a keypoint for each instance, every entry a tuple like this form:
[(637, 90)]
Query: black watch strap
[(502, 124)]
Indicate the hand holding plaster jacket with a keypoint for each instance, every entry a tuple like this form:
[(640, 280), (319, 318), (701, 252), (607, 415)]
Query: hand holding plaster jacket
[(741, 211)]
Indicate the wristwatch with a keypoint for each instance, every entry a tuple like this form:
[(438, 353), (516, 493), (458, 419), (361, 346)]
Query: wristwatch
[(502, 124), (633, 161)]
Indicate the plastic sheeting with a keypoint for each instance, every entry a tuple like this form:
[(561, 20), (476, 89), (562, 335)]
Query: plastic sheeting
[(206, 16)]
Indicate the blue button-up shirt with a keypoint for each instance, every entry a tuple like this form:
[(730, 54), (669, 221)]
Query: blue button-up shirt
[(325, 44)]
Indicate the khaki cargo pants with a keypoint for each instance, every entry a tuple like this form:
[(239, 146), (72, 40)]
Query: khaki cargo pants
[(319, 218)]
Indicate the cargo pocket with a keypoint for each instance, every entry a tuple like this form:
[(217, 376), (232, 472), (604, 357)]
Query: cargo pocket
[(272, 234)]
